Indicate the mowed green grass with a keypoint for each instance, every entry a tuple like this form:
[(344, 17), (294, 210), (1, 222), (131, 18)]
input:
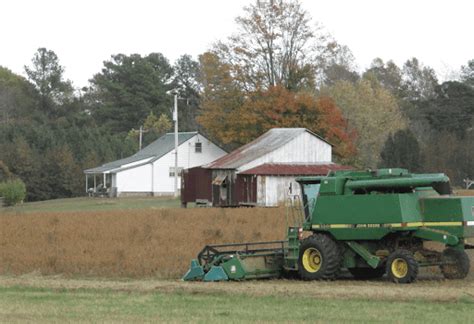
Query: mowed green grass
[(18, 304), (95, 204), (99, 204)]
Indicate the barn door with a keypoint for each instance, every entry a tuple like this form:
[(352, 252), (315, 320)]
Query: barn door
[(250, 189), (221, 191)]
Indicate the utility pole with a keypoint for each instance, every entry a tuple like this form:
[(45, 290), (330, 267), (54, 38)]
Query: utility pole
[(141, 138), (175, 119)]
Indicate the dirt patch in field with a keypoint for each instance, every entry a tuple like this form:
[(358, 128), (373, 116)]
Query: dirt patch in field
[(137, 243)]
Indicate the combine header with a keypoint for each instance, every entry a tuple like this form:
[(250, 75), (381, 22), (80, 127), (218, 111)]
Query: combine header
[(369, 223)]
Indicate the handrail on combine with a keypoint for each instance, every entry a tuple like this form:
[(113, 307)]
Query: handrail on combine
[(295, 215)]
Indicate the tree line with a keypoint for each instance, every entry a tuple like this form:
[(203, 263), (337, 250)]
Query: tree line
[(279, 69)]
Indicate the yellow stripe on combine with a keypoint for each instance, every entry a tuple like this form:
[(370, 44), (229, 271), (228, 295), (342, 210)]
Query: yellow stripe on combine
[(412, 224), (443, 224)]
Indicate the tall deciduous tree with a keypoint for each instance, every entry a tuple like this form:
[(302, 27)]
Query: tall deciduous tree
[(371, 111), (467, 73), (452, 109), (48, 76), (418, 81), (186, 80), (64, 174), (153, 127), (401, 150), (221, 99), (388, 74), (128, 88), (448, 153), (25, 163), (5, 173), (17, 96), (277, 46), (335, 62)]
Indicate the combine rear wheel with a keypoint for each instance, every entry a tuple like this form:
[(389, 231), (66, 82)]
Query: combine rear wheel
[(402, 266), (456, 264), (319, 259), (367, 273)]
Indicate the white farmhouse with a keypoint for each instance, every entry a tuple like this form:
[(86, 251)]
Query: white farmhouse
[(151, 170)]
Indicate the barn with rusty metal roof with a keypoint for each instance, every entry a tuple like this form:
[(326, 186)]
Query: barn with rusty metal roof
[(261, 172)]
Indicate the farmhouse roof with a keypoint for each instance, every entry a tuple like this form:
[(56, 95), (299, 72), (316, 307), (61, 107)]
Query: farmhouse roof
[(295, 169), (150, 153), (266, 143)]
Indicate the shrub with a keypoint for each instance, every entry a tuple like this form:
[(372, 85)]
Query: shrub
[(13, 191)]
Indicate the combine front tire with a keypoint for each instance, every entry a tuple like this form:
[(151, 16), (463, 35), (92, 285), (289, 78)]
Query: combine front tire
[(319, 259), (367, 273), (402, 266), (455, 264)]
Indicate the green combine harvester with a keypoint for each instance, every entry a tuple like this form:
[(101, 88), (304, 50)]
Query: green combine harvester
[(369, 223)]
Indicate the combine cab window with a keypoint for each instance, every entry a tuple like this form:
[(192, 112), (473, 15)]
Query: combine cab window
[(309, 194)]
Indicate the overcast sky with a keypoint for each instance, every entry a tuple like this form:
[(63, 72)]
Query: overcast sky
[(85, 33)]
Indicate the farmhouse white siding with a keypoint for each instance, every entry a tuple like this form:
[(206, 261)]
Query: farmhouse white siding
[(134, 180), (303, 148)]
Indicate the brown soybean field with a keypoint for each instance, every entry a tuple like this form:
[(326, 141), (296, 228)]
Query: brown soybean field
[(134, 243), (124, 265)]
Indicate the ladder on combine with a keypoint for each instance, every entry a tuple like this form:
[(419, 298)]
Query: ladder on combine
[(294, 221)]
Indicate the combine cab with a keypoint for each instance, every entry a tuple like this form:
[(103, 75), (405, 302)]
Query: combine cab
[(370, 223)]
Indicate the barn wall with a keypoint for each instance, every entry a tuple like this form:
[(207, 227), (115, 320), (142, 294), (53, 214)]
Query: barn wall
[(245, 189), (187, 158), (274, 190), (197, 184), (305, 148)]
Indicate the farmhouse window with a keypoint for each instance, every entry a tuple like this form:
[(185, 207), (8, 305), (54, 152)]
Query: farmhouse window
[(198, 147), (180, 171)]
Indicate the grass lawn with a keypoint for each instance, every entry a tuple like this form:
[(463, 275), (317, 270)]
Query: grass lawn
[(19, 304), (96, 204)]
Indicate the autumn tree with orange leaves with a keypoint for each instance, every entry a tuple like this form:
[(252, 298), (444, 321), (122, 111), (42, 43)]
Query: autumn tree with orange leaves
[(235, 117), (279, 107)]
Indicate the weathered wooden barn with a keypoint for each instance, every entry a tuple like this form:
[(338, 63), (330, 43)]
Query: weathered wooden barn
[(151, 170), (261, 172)]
